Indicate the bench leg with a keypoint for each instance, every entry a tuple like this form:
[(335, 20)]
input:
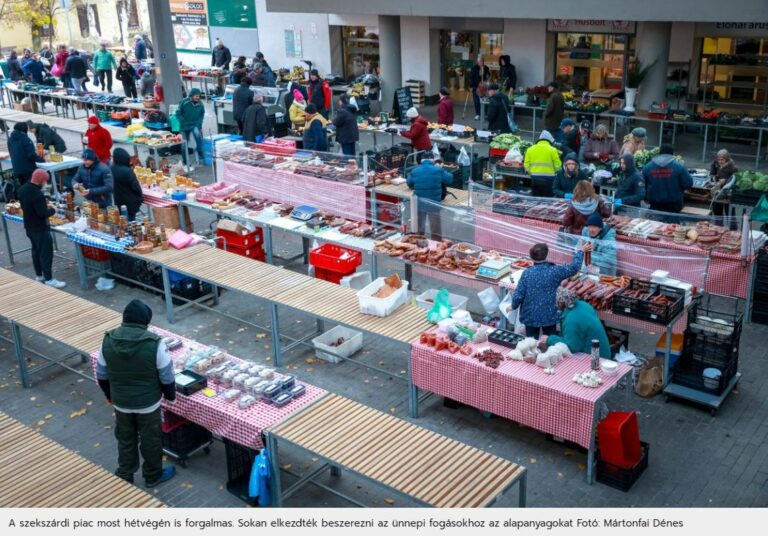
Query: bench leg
[(169, 313), (335, 470), (276, 352), (522, 490), (19, 347), (274, 472)]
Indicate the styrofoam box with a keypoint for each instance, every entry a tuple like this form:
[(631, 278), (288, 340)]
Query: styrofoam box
[(381, 306), (457, 301), (353, 342)]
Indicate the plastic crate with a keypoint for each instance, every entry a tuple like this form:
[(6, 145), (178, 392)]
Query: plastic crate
[(336, 259), (646, 310), (619, 439), (96, 267), (94, 253), (426, 300), (728, 310), (676, 349), (239, 462), (712, 351), (186, 439), (241, 240), (381, 306), (255, 252), (330, 275), (688, 373), (619, 477), (616, 339), (497, 152), (392, 158), (353, 343), (745, 197)]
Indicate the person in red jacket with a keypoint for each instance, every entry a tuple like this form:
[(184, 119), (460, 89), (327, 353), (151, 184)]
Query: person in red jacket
[(99, 139), (445, 108), (418, 133)]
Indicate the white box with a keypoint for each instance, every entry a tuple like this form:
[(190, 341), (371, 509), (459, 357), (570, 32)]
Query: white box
[(381, 306), (456, 300), (353, 342), (357, 281)]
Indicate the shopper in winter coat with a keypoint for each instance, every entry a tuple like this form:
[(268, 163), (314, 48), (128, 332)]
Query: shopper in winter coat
[(721, 170), (259, 80), (135, 372), (269, 74), (507, 74), (603, 239), (127, 76), (139, 48), (666, 181), (99, 139), (241, 100), (579, 325), (60, 64), (542, 161), (36, 213), (95, 179), (567, 177), (127, 187), (630, 190), (296, 109), (147, 83), (255, 120), (221, 57), (347, 133), (15, 72), (479, 74), (601, 147), (497, 110), (319, 93), (47, 136), (445, 108), (535, 293), (103, 63), (315, 132), (23, 154), (427, 181), (419, 131), (634, 141), (555, 111), (34, 70), (191, 113), (290, 94), (77, 69), (584, 203)]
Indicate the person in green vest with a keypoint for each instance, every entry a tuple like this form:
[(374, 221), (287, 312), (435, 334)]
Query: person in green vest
[(579, 324), (135, 371), (104, 63)]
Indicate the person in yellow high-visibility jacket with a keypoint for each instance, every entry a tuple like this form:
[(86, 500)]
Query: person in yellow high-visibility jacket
[(542, 161)]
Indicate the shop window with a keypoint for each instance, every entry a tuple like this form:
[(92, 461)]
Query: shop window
[(88, 20), (361, 50), (733, 74), (459, 52), (593, 61)]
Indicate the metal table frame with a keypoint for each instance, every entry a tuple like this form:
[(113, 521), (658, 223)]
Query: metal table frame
[(12, 252)]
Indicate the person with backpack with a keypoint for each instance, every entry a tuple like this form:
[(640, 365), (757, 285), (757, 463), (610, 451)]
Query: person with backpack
[(23, 154), (429, 183)]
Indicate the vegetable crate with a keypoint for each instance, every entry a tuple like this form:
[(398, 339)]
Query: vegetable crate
[(95, 254), (497, 152), (643, 300), (747, 198), (619, 477), (392, 158), (333, 262), (689, 372)]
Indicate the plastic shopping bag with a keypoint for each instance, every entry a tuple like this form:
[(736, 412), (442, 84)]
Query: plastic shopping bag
[(441, 308), (489, 299), (435, 151), (760, 212), (505, 306), (463, 158), (514, 155)]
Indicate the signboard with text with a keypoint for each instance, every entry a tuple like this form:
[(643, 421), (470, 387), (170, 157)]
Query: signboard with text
[(732, 29), (591, 26), (190, 25), (232, 13)]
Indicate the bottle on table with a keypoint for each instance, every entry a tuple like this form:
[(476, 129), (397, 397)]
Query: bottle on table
[(595, 352)]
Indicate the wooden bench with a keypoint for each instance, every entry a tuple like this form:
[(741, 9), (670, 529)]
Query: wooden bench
[(37, 472), (419, 464)]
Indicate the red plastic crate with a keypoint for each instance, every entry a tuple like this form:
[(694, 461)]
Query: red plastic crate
[(497, 152), (95, 254), (278, 147), (619, 439), (171, 421), (330, 275), (329, 257), (238, 240), (256, 252)]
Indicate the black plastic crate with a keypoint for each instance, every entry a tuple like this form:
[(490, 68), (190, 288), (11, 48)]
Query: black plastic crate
[(504, 337), (643, 309), (239, 463), (688, 373), (745, 197), (617, 338), (392, 158), (619, 477), (712, 351), (186, 439)]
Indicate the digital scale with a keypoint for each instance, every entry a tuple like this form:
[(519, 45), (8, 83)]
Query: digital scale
[(304, 212), (494, 269)]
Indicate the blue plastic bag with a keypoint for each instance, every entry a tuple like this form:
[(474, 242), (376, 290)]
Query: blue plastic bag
[(258, 486)]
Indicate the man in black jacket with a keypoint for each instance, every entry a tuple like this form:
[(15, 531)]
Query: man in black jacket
[(15, 73), (255, 120), (347, 133), (127, 189), (498, 108), (479, 74), (37, 210), (77, 69), (23, 154), (241, 100), (47, 136), (135, 372), (221, 57)]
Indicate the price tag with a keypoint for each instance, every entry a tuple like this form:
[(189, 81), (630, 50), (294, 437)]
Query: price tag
[(210, 393)]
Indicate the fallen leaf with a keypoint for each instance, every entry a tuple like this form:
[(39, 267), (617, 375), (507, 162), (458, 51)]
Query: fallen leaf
[(261, 335), (89, 403), (49, 416), (532, 460), (389, 501), (392, 410), (97, 445), (286, 466), (582, 467), (186, 485), (40, 423), (79, 413), (310, 369), (310, 360)]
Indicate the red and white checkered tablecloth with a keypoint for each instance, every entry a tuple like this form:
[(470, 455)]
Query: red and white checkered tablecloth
[(154, 198), (340, 198), (518, 391), (226, 419)]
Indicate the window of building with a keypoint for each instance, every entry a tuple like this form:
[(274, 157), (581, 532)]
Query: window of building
[(459, 52), (361, 50), (88, 20), (593, 61)]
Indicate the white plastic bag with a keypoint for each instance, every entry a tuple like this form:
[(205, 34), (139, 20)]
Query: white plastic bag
[(81, 224), (435, 151), (514, 155), (506, 309), (489, 299), (463, 158)]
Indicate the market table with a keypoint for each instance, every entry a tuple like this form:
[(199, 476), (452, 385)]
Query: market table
[(71, 125), (414, 462), (39, 473), (12, 218), (519, 391), (204, 81)]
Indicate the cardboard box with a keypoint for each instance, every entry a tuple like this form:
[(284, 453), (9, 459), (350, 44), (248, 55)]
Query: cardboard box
[(232, 227), (169, 216)]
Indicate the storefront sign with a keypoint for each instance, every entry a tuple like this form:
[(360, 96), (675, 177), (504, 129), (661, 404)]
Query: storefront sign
[(591, 26), (233, 13), (732, 29), (190, 25)]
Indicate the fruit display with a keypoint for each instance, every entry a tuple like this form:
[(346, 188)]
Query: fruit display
[(643, 157), (752, 180), (510, 141)]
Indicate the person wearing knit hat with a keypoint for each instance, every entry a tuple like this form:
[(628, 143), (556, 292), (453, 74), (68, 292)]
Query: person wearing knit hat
[(94, 180), (191, 113), (37, 210), (419, 131), (135, 372), (542, 161), (296, 110), (241, 100), (24, 156), (99, 139), (634, 141), (579, 325), (567, 177), (412, 113), (603, 238)]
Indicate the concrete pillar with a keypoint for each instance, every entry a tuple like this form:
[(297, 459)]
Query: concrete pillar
[(389, 57), (653, 44), (525, 40), (166, 62)]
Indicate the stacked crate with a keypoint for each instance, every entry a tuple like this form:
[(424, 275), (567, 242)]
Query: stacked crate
[(418, 92)]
